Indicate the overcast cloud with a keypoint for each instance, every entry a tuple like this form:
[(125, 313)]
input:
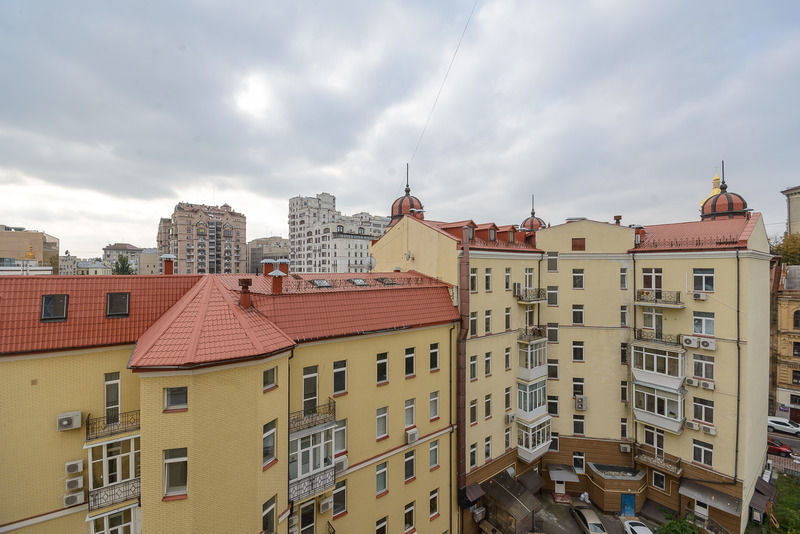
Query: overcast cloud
[(111, 113)]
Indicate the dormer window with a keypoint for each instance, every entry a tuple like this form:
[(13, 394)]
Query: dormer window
[(117, 304), (54, 307), (320, 282), (511, 236), (358, 282), (386, 281), (492, 234)]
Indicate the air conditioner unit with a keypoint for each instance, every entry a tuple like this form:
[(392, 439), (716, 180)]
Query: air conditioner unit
[(74, 483), (412, 435), (692, 425), (73, 468), (292, 522), (479, 514), (708, 344), (710, 430), (580, 402), (73, 499), (707, 385), (624, 447), (292, 530), (700, 296), (510, 417), (325, 505), (68, 421), (692, 381), (340, 464), (690, 341)]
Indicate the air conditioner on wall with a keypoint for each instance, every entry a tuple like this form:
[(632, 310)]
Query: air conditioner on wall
[(73, 499), (707, 385), (692, 425), (340, 463), (73, 468), (510, 417), (479, 514), (690, 341), (710, 430), (708, 344), (412, 435), (68, 421), (624, 447), (75, 483), (580, 402), (325, 505), (691, 382), (700, 296)]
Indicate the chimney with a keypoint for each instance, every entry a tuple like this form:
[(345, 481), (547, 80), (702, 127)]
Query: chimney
[(617, 219), (244, 299), (283, 266), (169, 263), (265, 266), (277, 281)]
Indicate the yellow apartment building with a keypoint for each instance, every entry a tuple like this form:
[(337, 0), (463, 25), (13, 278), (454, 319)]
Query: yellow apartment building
[(786, 342)]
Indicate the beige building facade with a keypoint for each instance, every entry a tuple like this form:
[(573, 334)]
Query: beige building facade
[(17, 243)]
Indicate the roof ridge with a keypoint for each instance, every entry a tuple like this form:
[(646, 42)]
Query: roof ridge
[(201, 315), (239, 312)]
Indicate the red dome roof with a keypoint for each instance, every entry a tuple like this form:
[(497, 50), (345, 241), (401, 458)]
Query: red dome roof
[(724, 205), (533, 223), (406, 205)]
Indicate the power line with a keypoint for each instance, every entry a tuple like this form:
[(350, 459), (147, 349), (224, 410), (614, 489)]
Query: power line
[(446, 74)]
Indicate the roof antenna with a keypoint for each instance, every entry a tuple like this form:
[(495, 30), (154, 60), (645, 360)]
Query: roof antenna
[(533, 212), (724, 186), (408, 189)]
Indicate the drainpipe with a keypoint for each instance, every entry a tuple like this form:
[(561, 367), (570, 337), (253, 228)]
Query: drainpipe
[(738, 366), (450, 434), (461, 359), (539, 283), (288, 418), (630, 356)]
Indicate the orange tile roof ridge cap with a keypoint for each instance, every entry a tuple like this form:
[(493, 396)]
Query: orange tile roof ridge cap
[(239, 313), (205, 296)]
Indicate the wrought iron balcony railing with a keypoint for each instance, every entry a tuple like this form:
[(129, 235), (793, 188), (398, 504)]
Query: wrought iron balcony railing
[(311, 485), (311, 417), (532, 333), (529, 294), (659, 296), (114, 493), (108, 426), (647, 454), (644, 334)]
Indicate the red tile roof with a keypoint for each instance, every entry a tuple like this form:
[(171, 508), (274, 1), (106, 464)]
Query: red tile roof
[(718, 234), (21, 329), (453, 230), (207, 326)]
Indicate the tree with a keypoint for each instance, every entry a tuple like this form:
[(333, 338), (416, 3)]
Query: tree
[(121, 266), (789, 249), (678, 525)]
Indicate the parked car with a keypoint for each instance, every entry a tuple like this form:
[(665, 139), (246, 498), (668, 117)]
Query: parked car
[(635, 527), (776, 447), (783, 425), (587, 518)]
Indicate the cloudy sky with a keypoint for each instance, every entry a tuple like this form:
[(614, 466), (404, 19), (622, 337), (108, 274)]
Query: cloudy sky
[(112, 112)]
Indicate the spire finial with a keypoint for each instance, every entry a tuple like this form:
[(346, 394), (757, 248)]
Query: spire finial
[(408, 189), (723, 187), (533, 211)]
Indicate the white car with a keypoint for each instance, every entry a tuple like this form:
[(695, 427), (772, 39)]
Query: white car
[(783, 425), (635, 527)]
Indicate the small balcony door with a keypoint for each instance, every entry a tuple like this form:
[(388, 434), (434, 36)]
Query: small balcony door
[(112, 398), (310, 393), (651, 281), (307, 518)]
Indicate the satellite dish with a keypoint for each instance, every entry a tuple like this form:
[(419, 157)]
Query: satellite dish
[(371, 262)]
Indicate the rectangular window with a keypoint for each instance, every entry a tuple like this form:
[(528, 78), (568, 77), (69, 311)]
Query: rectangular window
[(175, 471), (578, 243), (794, 400), (381, 422), (552, 295), (340, 498), (487, 449), (473, 411), (529, 316), (54, 307), (528, 277), (577, 351), (433, 406), (623, 316), (433, 501), (382, 368), (578, 461), (268, 517), (117, 304), (340, 437), (578, 425), (487, 406), (112, 397), (310, 389), (704, 410), (651, 317), (552, 332), (657, 361), (473, 279), (473, 323), (487, 279), (507, 438), (795, 377), (410, 368), (703, 279), (577, 387), (434, 357), (176, 398), (380, 478), (339, 377), (796, 348), (270, 378), (659, 480), (552, 404), (577, 278), (507, 398), (473, 367), (380, 526), (702, 452), (433, 454), (552, 262), (577, 314), (508, 318), (408, 517), (409, 413), (507, 358), (408, 463), (704, 323), (623, 391), (623, 278), (623, 353), (487, 321), (487, 364), (623, 428), (508, 279), (473, 455), (552, 368), (554, 441)]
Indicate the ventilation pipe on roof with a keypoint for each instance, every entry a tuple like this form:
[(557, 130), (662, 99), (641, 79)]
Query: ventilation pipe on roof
[(244, 297), (617, 219), (283, 266), (277, 281), (267, 266), (169, 263)]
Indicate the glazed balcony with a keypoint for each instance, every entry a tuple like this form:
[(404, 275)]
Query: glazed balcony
[(101, 427), (531, 455), (309, 417), (659, 298), (308, 486), (657, 459), (529, 295), (114, 494)]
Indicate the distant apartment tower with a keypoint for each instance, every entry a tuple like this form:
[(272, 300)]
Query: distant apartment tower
[(68, 265), (266, 248), (112, 252), (204, 239), (148, 261), (323, 240)]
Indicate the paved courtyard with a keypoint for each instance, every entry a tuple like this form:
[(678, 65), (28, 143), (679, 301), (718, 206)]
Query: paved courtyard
[(556, 519)]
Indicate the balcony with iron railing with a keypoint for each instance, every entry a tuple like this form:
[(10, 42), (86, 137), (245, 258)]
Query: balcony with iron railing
[(531, 334), (659, 298), (648, 335), (529, 295), (312, 416), (656, 458), (313, 484), (101, 427), (114, 494)]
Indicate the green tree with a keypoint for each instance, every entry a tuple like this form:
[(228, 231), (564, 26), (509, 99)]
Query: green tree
[(789, 249), (121, 266), (678, 525)]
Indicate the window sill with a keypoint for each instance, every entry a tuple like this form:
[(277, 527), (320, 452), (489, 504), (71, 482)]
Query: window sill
[(473, 379), (340, 394), (435, 370), (175, 410), (578, 361), (434, 419), (487, 417), (384, 383), (473, 424), (340, 514), (382, 438), (381, 494), (270, 388), (411, 376), (340, 453), (434, 468), (410, 531), (434, 516), (410, 480), (487, 376), (270, 464), (178, 497)]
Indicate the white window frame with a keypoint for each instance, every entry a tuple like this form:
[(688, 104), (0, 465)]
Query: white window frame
[(433, 454), (172, 489), (578, 351), (623, 316), (578, 309), (507, 398), (340, 435), (340, 491), (409, 467), (623, 278), (382, 414), (169, 401), (528, 277), (553, 442), (381, 472), (552, 295), (701, 277), (473, 367), (703, 323), (487, 279), (552, 364), (578, 279), (487, 448), (340, 368), (473, 411), (552, 262), (552, 332), (473, 279), (579, 425), (382, 362), (409, 414), (507, 437), (508, 279), (706, 451), (487, 406), (487, 364), (473, 323), (433, 503), (380, 526), (623, 427), (487, 321), (113, 409), (662, 362), (507, 357), (270, 378), (410, 357), (268, 510), (508, 319), (703, 412), (433, 406), (663, 485), (269, 433), (473, 455), (552, 400), (705, 364), (579, 461), (433, 359), (408, 527)]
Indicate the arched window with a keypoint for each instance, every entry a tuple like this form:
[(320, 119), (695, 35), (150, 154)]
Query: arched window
[(796, 320), (340, 228)]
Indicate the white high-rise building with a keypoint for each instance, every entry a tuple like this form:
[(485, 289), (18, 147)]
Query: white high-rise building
[(323, 240)]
